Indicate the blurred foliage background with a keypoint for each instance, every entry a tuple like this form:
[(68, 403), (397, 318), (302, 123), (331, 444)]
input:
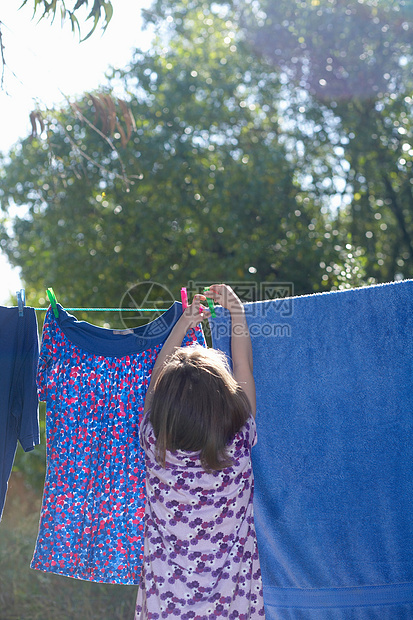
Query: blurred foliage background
[(256, 141)]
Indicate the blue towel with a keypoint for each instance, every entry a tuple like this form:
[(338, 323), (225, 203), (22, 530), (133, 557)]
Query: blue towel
[(334, 461)]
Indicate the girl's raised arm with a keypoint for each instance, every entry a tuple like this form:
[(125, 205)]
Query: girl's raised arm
[(191, 316), (241, 347)]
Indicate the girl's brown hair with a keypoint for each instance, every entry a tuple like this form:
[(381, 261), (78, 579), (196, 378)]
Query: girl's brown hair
[(197, 406)]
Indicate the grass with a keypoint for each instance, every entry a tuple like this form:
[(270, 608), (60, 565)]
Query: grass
[(27, 594)]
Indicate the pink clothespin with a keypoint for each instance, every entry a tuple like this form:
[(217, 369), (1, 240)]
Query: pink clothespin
[(184, 297)]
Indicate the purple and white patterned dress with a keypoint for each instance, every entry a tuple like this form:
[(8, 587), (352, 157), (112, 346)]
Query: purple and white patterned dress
[(200, 551)]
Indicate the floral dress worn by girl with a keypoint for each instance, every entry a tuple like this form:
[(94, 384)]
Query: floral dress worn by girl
[(200, 552)]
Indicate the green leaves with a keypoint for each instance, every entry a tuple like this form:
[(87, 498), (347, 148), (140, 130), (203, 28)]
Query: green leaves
[(219, 163), (95, 14), (100, 10)]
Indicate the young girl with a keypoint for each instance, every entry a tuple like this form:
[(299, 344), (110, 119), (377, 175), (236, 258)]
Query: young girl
[(200, 554)]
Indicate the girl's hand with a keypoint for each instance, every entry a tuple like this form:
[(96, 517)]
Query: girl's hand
[(223, 295), (195, 313)]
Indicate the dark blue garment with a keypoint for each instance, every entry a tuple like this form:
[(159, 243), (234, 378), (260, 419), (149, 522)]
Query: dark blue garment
[(333, 464), (19, 353)]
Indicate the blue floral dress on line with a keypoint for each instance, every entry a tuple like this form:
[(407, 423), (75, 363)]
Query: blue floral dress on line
[(94, 382)]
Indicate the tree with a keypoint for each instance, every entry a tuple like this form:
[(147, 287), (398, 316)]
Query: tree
[(203, 189), (231, 156), (347, 69)]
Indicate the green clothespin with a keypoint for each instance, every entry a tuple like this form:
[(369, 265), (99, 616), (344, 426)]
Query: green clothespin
[(53, 301), (211, 306), (210, 303)]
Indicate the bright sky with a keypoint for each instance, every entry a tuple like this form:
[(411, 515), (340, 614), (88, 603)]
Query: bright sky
[(46, 62)]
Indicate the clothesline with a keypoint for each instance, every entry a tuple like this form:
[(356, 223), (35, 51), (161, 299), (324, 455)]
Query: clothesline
[(111, 309), (21, 299)]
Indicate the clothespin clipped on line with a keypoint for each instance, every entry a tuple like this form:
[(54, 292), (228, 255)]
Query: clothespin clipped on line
[(21, 300), (210, 303), (184, 298), (53, 301)]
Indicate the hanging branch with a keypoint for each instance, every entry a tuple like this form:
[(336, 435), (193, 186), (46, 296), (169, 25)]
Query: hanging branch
[(101, 10), (3, 60), (99, 6), (110, 121), (123, 177), (36, 120)]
